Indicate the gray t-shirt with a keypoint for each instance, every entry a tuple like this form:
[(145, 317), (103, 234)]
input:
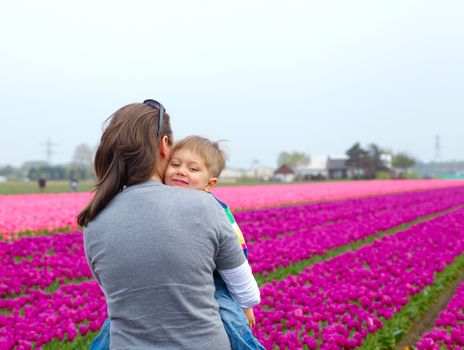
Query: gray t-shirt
[(153, 250)]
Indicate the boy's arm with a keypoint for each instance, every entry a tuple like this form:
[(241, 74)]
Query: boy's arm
[(242, 285), (234, 269), (248, 312), (250, 317)]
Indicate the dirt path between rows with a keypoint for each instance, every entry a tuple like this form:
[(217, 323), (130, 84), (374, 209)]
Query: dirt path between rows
[(427, 322)]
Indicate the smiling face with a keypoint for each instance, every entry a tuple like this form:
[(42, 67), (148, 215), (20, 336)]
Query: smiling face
[(187, 169)]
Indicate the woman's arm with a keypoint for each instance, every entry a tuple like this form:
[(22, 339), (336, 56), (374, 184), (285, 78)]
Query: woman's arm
[(242, 285)]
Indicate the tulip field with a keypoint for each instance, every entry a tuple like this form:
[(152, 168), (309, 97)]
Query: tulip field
[(348, 265)]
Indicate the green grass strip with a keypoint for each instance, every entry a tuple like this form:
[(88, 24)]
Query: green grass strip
[(79, 343), (53, 186), (418, 305), (283, 271), (53, 287), (35, 233)]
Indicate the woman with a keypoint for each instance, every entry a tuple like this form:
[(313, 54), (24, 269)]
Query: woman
[(153, 248)]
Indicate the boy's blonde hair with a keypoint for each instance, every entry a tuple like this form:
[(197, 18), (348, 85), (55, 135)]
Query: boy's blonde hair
[(213, 156)]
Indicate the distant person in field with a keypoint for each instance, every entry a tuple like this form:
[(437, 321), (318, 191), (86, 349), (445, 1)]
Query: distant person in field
[(42, 184), (73, 182), (154, 248), (196, 163)]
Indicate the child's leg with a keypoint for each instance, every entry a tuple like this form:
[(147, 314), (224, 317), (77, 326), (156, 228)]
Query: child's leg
[(102, 340), (235, 322)]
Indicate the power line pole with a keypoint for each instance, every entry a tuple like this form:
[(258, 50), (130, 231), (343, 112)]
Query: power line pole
[(49, 152), (437, 156)]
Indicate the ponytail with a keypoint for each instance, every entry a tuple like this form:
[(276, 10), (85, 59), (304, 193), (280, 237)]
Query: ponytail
[(127, 155)]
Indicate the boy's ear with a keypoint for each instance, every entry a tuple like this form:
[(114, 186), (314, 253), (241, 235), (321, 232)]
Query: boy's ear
[(211, 183)]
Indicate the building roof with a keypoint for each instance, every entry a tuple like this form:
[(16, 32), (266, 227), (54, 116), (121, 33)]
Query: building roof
[(284, 170)]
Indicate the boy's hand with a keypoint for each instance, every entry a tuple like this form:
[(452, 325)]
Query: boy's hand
[(250, 316)]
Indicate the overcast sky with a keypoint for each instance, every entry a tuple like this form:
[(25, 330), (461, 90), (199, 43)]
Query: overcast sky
[(268, 76)]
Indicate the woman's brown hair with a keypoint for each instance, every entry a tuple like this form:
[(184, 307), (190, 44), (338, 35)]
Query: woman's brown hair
[(127, 154)]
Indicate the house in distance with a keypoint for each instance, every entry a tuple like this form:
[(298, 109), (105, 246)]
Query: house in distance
[(284, 174)]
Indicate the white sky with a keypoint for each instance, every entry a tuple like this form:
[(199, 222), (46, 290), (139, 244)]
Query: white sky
[(310, 76)]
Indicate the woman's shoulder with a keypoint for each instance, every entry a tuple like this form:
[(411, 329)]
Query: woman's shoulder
[(154, 195), (193, 197)]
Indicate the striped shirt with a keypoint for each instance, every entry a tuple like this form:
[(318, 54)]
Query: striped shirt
[(235, 226)]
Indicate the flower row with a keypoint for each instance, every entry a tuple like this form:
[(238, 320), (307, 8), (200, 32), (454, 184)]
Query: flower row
[(39, 262), (20, 213), (337, 303), (39, 212), (251, 197), (271, 222), (312, 237), (40, 317), (449, 327)]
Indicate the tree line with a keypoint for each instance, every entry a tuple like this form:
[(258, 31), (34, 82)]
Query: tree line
[(81, 168), (364, 163)]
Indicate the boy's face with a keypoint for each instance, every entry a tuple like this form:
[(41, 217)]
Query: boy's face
[(188, 169)]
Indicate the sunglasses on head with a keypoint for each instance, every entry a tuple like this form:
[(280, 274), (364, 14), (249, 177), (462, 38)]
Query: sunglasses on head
[(156, 105)]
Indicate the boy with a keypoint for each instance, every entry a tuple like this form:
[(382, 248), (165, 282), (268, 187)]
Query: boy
[(196, 163)]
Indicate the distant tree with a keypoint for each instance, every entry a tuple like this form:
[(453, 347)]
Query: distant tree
[(83, 156), (12, 173), (403, 161), (7, 170), (356, 159), (366, 163), (374, 161), (82, 163), (49, 172), (33, 174), (33, 164), (293, 159)]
